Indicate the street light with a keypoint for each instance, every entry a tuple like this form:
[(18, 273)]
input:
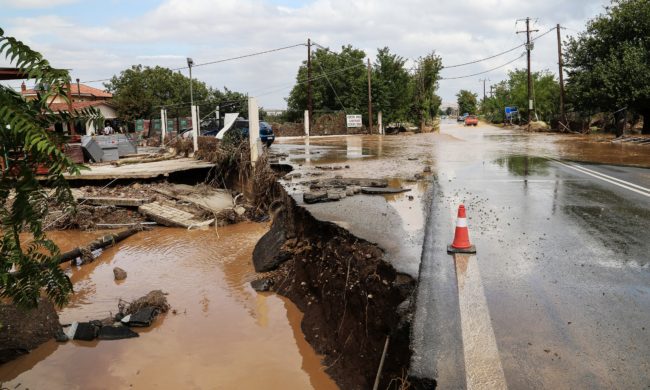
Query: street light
[(190, 62)]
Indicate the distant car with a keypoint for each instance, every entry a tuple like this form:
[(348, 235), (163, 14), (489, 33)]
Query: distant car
[(460, 118), (240, 129), (471, 120)]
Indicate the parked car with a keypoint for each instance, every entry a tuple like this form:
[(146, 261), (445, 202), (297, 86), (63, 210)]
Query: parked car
[(240, 129), (471, 120), (460, 118)]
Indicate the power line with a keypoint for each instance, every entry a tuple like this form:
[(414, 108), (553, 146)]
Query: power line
[(498, 54), (219, 61), (487, 71)]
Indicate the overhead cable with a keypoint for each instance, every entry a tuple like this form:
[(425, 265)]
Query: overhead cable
[(219, 61), (487, 71)]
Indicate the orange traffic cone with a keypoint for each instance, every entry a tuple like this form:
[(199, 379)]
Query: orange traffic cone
[(461, 242)]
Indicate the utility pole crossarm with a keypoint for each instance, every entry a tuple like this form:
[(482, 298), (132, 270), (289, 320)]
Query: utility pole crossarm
[(529, 48)]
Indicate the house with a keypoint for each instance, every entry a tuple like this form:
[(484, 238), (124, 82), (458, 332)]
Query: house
[(83, 96)]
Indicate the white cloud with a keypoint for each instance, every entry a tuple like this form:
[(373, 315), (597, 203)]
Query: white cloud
[(459, 30)]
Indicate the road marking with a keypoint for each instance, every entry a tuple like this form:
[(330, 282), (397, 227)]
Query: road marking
[(483, 367), (618, 182)]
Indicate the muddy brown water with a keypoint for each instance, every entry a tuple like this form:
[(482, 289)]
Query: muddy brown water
[(224, 335)]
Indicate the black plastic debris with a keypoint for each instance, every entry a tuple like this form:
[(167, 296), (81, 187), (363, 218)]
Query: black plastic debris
[(116, 333)]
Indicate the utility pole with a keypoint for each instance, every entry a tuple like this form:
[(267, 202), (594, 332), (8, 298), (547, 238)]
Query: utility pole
[(484, 80), (369, 100), (561, 71), (529, 48), (310, 106)]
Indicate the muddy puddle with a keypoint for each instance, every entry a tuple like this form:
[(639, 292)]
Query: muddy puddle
[(222, 335)]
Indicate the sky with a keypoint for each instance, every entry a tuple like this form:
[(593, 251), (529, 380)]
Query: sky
[(98, 39)]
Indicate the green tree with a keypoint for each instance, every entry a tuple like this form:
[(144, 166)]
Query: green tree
[(140, 91), (338, 82), (514, 92), (424, 83), (467, 102), (29, 261), (390, 86), (608, 65)]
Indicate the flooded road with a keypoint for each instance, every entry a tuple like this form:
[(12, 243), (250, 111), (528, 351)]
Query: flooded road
[(221, 335), (560, 224)]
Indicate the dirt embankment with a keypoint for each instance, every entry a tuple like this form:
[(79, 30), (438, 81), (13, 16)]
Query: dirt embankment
[(351, 298)]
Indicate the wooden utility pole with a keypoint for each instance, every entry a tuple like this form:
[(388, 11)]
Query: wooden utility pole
[(310, 107), (561, 72), (369, 100), (529, 48), (71, 121)]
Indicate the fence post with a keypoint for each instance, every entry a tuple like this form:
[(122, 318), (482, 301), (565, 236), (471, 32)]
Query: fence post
[(307, 123), (254, 129)]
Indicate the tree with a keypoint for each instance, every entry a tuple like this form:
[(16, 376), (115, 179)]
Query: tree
[(140, 92), (390, 86), (338, 82), (514, 92), (423, 86), (449, 111), (467, 102), (30, 267), (608, 65)]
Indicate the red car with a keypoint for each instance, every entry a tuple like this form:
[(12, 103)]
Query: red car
[(471, 120)]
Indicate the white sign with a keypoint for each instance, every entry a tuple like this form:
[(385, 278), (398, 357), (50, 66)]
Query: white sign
[(354, 120)]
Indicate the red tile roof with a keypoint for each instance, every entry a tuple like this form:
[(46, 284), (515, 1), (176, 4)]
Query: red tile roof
[(78, 105), (84, 89)]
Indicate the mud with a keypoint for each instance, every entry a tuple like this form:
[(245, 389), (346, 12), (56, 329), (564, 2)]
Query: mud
[(352, 299), (219, 334)]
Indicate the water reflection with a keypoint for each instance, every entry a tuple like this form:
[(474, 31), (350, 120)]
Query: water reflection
[(524, 165)]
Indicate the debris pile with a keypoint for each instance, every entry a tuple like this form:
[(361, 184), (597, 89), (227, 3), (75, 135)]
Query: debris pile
[(140, 313)]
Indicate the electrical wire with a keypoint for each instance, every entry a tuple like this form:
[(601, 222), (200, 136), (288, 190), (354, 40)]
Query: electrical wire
[(487, 71), (219, 61)]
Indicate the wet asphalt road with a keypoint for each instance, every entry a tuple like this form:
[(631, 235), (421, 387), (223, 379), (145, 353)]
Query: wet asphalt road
[(564, 262)]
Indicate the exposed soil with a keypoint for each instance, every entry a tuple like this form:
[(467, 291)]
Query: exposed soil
[(23, 330), (351, 298)]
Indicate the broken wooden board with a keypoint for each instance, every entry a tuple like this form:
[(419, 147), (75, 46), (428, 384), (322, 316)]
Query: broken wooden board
[(170, 216), (213, 200)]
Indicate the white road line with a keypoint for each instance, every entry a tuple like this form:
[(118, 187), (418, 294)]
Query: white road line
[(618, 182), (483, 367)]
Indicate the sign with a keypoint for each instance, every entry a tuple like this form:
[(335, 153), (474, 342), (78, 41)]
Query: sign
[(353, 120), (510, 111)]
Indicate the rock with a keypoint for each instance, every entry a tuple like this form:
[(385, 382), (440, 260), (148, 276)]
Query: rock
[(418, 176), (314, 196), (119, 273), (262, 285), (239, 210), (60, 336), (267, 250), (538, 126), (85, 331), (23, 330), (356, 189), (381, 191), (335, 195), (142, 318), (116, 333), (427, 169), (349, 191)]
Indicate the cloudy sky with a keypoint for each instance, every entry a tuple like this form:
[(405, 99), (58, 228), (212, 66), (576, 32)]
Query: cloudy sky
[(98, 38)]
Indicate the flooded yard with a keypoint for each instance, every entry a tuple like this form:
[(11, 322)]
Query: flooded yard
[(220, 333)]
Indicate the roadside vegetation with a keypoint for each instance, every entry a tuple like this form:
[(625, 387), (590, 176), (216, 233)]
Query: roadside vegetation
[(340, 85), (29, 261)]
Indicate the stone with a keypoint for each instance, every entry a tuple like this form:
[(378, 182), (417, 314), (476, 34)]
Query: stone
[(119, 273), (240, 210), (427, 169), (262, 285), (382, 191), (116, 333), (349, 192), (266, 255), (23, 330), (314, 196)]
